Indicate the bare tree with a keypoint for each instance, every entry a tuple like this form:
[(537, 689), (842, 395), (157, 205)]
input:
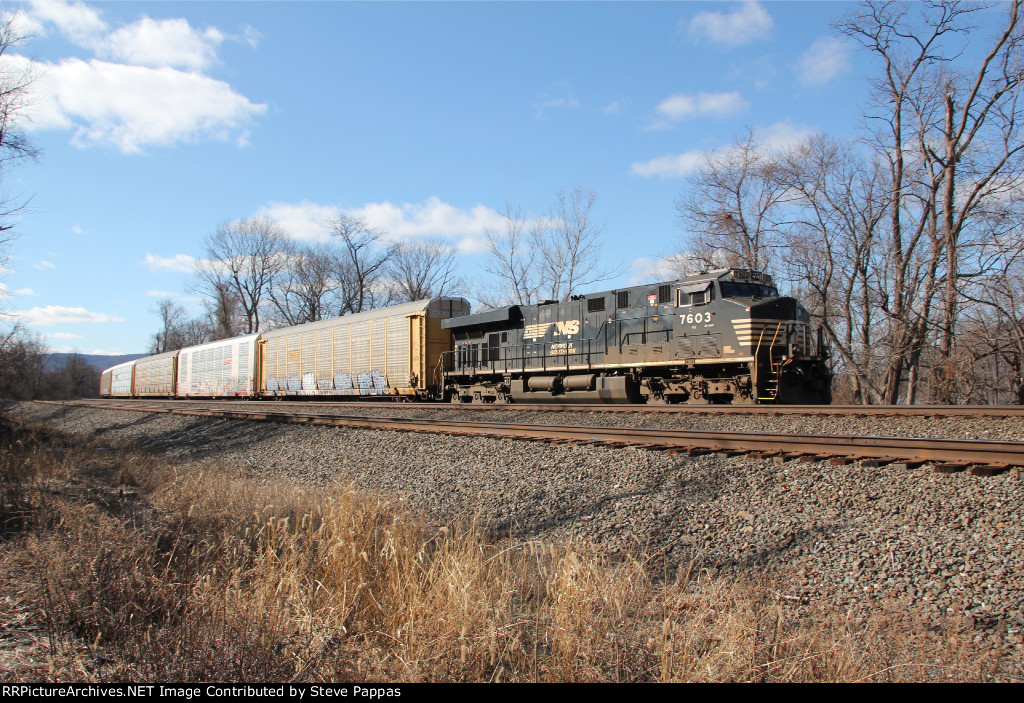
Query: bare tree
[(360, 263), (21, 355), (568, 245), (832, 242), (732, 208), (177, 330), (999, 292), (950, 137), (308, 287), (510, 260), (16, 78), (171, 316), (243, 257), (423, 269), (223, 312), (72, 377)]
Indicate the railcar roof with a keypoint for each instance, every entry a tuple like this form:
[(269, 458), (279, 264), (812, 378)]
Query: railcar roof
[(221, 342), (121, 365), (156, 357), (368, 316)]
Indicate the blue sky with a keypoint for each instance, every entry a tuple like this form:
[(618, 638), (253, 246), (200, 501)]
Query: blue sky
[(160, 121)]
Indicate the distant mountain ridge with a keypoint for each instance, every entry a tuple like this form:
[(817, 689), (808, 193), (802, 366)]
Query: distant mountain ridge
[(97, 361)]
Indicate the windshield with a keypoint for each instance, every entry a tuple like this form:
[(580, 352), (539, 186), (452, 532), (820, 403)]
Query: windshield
[(747, 290)]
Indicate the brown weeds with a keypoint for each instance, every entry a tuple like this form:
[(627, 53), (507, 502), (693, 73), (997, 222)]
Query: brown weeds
[(135, 570)]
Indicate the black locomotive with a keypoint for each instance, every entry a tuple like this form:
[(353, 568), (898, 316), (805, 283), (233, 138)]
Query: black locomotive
[(718, 337)]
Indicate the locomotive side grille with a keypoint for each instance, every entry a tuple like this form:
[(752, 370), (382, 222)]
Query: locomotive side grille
[(708, 345)]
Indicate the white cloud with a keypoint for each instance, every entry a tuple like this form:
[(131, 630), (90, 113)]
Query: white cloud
[(747, 24), (77, 230), (130, 107), (823, 61), (59, 314), (670, 166), (77, 21), (251, 36), (682, 106), (156, 96), (145, 42), (173, 43), (63, 335), (776, 137), (44, 265), (23, 24), (179, 263), (432, 218), (647, 270), (782, 135), (545, 103), (161, 294), (303, 221), (25, 291), (612, 108)]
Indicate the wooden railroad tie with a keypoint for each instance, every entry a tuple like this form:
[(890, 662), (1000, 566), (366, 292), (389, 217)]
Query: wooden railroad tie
[(951, 468), (788, 456), (875, 463), (905, 464), (730, 453), (991, 469)]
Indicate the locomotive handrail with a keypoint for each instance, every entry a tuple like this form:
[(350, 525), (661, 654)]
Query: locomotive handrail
[(644, 334), (517, 355)]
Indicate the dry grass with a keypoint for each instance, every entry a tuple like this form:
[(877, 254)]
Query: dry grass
[(117, 566)]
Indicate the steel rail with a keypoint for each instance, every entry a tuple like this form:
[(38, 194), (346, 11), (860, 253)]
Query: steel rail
[(890, 448), (865, 410)]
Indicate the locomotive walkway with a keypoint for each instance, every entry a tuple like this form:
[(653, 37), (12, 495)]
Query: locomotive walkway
[(949, 455)]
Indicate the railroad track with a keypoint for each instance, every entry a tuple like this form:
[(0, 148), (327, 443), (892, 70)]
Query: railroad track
[(948, 455), (863, 410)]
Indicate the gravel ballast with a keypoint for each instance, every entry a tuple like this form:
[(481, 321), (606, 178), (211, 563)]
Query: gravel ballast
[(1000, 428), (943, 545)]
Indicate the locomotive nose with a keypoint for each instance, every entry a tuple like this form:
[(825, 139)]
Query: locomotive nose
[(775, 309)]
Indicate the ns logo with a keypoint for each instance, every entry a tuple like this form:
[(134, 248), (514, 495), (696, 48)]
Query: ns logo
[(562, 327), (567, 327)]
